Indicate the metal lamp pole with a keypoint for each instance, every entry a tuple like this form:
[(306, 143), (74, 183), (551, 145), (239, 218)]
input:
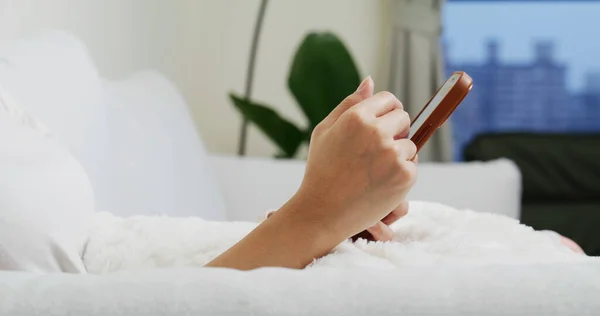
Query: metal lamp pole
[(250, 73)]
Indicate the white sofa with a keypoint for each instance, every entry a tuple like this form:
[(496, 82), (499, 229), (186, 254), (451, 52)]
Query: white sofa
[(138, 144)]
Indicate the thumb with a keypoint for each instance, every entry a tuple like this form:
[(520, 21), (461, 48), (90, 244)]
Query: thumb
[(364, 91)]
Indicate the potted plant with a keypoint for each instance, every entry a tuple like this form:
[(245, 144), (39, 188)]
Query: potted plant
[(322, 74)]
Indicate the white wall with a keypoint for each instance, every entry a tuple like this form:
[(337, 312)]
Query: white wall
[(202, 45)]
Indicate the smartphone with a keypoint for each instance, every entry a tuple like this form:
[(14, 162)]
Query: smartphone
[(439, 108)]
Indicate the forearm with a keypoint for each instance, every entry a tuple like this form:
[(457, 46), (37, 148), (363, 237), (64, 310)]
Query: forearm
[(286, 239)]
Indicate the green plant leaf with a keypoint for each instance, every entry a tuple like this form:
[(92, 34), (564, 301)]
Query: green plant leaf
[(281, 131), (323, 73)]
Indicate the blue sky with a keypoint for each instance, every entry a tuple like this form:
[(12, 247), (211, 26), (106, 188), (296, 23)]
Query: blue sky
[(575, 28)]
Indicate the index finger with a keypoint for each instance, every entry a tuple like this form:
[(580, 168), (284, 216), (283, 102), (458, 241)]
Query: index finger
[(380, 104)]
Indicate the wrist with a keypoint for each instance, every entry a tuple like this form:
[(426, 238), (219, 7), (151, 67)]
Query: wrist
[(312, 215), (292, 237)]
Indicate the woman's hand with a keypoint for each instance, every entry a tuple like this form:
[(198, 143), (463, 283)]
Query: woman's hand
[(360, 164), (360, 167), (380, 231)]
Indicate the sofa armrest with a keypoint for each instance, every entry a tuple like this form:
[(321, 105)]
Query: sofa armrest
[(251, 186), (491, 187), (539, 289)]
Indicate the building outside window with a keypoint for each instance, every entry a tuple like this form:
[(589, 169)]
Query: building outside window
[(535, 66)]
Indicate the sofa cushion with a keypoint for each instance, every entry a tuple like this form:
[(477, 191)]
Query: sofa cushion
[(158, 161), (555, 167)]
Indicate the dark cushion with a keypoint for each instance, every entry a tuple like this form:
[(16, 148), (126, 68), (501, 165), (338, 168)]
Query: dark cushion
[(561, 180)]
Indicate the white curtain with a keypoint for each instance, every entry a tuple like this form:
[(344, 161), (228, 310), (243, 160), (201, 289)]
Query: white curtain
[(415, 66)]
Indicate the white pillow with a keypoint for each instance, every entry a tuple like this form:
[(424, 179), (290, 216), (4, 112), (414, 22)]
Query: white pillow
[(46, 199), (52, 76)]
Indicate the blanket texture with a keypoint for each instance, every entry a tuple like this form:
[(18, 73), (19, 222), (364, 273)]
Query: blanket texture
[(431, 234)]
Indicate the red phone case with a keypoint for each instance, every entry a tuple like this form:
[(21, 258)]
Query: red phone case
[(454, 97)]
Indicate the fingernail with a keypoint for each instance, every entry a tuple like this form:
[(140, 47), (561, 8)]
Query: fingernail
[(363, 84)]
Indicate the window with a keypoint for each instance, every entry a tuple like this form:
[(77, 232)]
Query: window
[(535, 66)]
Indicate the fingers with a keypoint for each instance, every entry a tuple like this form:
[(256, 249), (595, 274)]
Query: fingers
[(571, 244), (380, 104), (396, 214), (395, 124), (364, 91), (416, 159), (381, 232), (406, 149), (409, 171)]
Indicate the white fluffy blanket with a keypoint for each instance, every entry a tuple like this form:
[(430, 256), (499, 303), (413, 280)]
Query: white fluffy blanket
[(431, 234)]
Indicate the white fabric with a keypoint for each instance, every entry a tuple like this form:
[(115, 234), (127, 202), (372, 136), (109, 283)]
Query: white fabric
[(158, 163), (53, 77), (498, 290), (252, 185), (449, 265), (46, 199), (431, 234)]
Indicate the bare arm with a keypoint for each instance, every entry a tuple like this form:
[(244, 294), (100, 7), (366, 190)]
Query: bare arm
[(286, 239), (360, 167)]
